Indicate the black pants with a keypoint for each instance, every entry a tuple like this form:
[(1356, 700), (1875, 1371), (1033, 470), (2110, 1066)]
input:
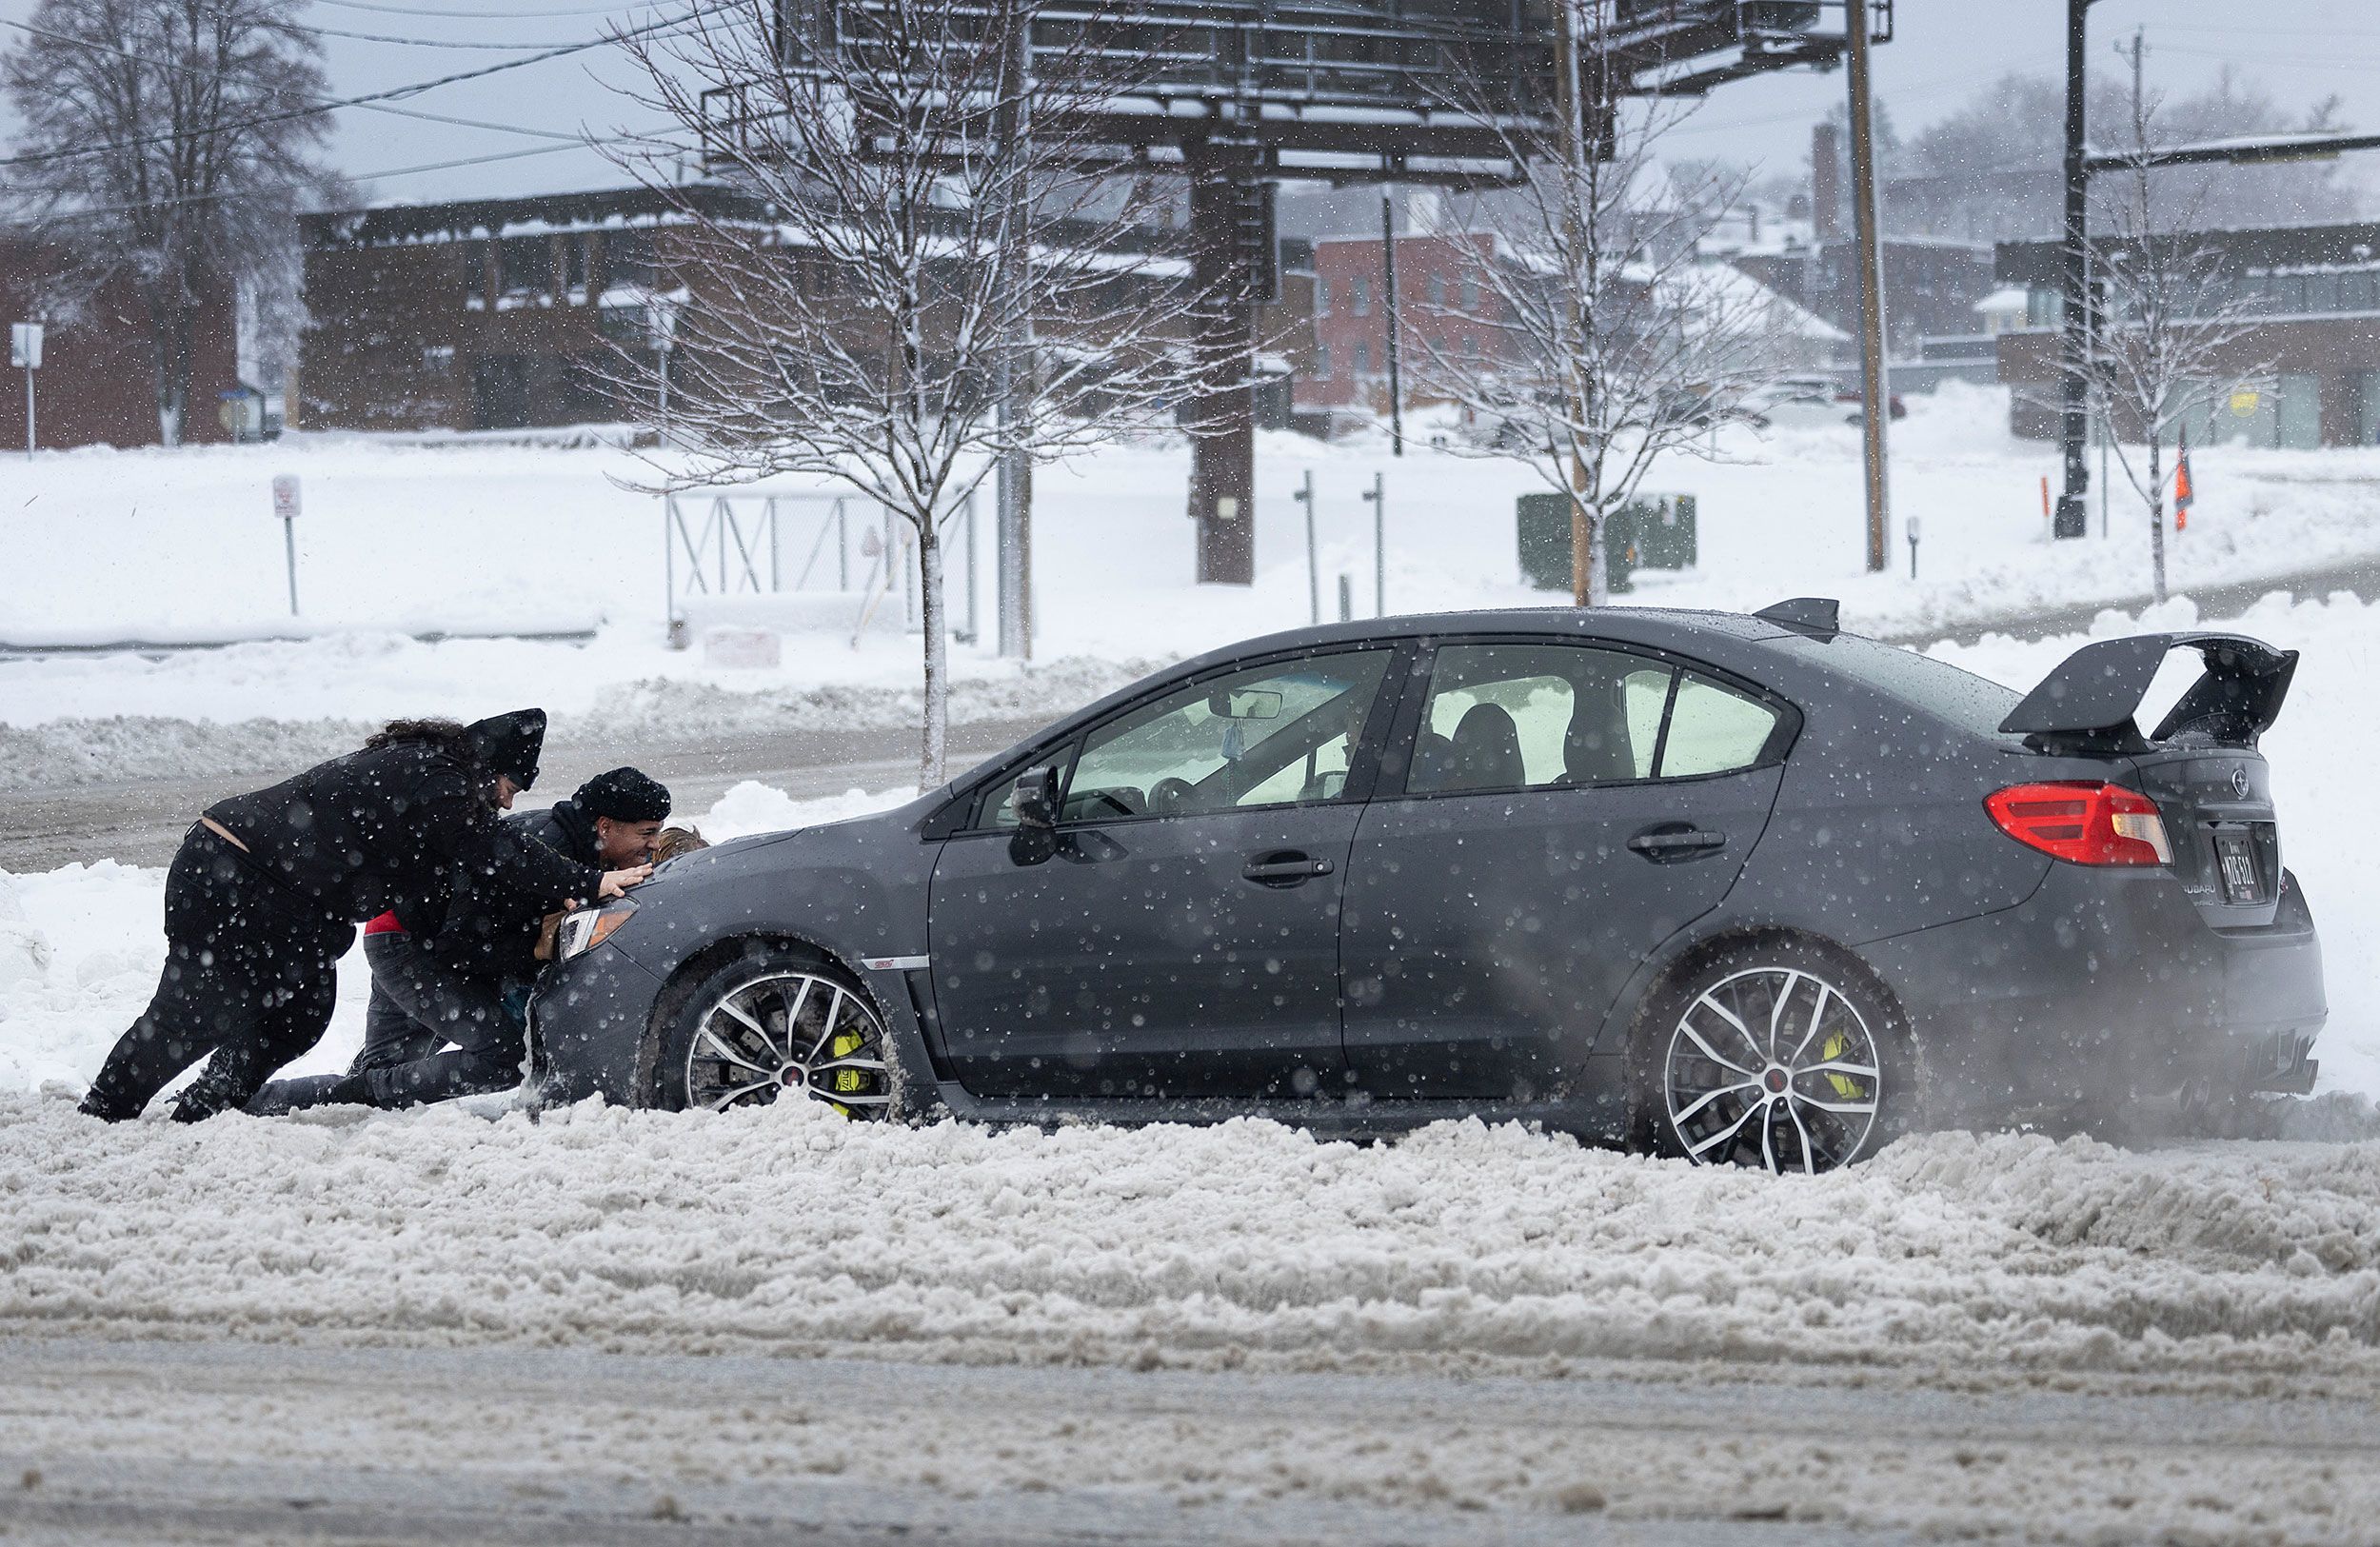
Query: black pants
[(421, 1003), (249, 976)]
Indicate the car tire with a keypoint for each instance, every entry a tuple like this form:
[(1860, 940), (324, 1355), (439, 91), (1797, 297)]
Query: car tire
[(770, 1019), (1777, 1053)]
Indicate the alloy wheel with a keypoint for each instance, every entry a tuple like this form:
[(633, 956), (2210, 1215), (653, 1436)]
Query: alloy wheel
[(790, 1031), (1774, 1067)]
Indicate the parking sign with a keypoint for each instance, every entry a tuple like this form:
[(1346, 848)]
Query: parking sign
[(25, 345)]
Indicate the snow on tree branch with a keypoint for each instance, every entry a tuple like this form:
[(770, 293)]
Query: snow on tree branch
[(2169, 341), (1608, 339), (891, 211)]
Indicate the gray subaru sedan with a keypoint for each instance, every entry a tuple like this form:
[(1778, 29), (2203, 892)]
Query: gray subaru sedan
[(1749, 890)]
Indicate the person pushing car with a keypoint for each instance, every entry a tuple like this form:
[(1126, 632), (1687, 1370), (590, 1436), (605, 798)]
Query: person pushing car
[(265, 891), (452, 970)]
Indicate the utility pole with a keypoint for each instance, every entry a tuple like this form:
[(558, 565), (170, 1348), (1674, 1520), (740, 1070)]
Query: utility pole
[(1011, 384), (1388, 289), (2072, 518), (2139, 47), (1874, 394)]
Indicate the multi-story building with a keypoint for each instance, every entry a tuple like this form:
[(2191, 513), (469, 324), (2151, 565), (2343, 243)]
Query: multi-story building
[(514, 313), (1441, 307), (2307, 363), (487, 314)]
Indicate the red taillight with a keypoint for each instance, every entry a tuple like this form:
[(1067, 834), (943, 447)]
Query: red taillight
[(2083, 823)]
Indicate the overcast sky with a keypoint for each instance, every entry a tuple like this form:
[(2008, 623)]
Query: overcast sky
[(2299, 50)]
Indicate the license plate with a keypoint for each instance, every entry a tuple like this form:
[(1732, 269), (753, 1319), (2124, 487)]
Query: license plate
[(2236, 854)]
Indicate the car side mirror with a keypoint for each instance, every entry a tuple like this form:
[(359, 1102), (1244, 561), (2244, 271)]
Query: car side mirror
[(1035, 802)]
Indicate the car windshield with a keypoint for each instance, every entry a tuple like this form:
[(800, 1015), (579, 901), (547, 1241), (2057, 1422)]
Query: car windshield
[(1971, 702)]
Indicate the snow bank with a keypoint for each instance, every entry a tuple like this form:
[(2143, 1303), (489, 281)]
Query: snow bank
[(787, 1228), (328, 699)]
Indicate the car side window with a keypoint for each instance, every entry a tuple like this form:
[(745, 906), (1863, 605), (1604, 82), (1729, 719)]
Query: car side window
[(1278, 734), (1536, 716), (1532, 716), (1714, 730)]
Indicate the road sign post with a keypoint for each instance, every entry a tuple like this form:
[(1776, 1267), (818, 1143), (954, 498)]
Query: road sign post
[(286, 505), (1304, 495), (1377, 497), (24, 353)]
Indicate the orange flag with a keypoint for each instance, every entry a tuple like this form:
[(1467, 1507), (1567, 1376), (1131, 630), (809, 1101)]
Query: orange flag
[(2182, 493)]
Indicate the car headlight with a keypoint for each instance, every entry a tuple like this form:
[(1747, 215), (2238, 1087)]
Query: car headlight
[(586, 929)]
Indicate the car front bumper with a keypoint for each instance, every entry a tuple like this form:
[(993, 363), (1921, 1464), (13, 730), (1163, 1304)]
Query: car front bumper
[(2106, 985), (586, 1029)]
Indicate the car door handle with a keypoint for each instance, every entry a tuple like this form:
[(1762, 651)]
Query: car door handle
[(1284, 869), (1663, 843)]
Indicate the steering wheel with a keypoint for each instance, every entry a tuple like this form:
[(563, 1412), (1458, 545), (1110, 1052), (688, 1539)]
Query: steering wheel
[(1171, 795)]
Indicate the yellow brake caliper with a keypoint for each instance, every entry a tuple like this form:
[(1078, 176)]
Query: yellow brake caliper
[(1845, 1086), (848, 1081)]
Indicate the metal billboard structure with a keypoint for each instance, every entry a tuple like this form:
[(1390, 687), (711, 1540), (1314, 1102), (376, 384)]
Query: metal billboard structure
[(1239, 96)]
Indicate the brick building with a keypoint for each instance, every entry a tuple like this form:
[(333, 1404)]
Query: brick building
[(486, 314), (1442, 306), (515, 313), (2312, 293), (97, 385)]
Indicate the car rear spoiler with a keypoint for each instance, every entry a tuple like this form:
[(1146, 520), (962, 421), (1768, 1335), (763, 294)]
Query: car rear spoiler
[(2087, 705)]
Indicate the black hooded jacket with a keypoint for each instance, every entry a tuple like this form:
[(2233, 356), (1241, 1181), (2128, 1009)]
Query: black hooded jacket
[(491, 926), (386, 828)]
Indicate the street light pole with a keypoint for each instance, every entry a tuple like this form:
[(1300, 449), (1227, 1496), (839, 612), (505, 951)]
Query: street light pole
[(1874, 394), (2073, 519)]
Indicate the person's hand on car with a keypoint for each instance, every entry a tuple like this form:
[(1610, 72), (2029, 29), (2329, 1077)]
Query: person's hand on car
[(616, 883)]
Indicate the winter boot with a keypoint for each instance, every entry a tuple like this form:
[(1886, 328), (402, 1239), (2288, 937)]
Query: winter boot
[(282, 1096)]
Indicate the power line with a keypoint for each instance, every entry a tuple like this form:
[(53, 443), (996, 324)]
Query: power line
[(414, 42), (368, 107), (365, 100), (2290, 61)]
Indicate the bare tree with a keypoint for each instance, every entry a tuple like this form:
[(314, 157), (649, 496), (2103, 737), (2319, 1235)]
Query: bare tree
[(847, 311), (2169, 345), (169, 144), (1606, 340)]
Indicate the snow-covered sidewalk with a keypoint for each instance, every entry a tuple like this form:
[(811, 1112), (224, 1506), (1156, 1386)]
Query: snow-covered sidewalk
[(399, 539)]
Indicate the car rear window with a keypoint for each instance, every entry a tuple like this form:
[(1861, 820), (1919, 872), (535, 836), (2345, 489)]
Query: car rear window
[(1971, 703)]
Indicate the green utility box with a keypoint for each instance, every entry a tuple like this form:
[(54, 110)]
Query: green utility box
[(1652, 532)]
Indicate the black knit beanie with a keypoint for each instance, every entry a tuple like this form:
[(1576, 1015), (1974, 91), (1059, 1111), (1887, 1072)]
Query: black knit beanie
[(623, 795), (510, 744)]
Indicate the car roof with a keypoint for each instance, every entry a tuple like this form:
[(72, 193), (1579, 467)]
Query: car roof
[(1676, 626)]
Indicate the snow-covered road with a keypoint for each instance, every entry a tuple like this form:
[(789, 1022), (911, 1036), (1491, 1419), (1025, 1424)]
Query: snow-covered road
[(209, 1442), (1224, 1334)]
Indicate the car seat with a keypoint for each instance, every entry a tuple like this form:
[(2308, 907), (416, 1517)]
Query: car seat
[(1596, 746), (1484, 752)]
